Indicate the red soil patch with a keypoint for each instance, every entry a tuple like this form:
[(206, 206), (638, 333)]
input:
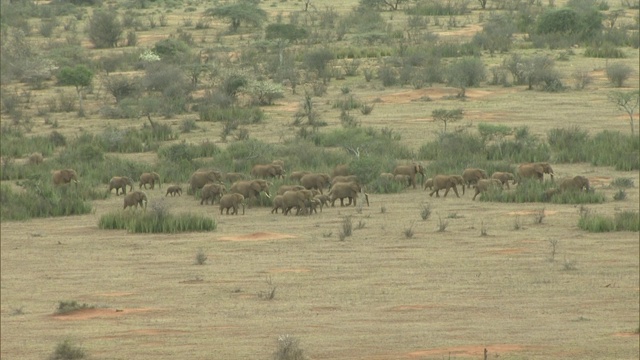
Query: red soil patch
[(473, 351), (466, 31), (599, 180), (257, 237), (155, 331), (627, 334), (531, 212), (85, 314)]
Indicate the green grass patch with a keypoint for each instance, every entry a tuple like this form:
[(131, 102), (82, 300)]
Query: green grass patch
[(65, 307), (154, 221), (622, 221), (16, 144)]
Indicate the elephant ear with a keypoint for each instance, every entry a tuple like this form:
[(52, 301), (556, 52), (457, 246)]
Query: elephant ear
[(256, 185)]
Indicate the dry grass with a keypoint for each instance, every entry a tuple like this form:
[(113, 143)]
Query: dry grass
[(379, 295)]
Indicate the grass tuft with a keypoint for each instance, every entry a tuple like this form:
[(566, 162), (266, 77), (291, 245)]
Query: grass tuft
[(66, 350), (69, 306), (155, 222)]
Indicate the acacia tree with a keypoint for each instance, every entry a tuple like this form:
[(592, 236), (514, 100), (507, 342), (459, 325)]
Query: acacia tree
[(104, 29), (80, 77), (626, 101), (446, 116), (243, 11)]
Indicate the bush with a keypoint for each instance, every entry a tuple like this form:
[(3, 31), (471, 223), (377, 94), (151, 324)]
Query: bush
[(188, 152), (438, 8), (618, 73), (570, 145), (42, 200), (285, 31), (67, 351), (466, 72), (105, 29), (240, 115), (622, 182), (70, 306), (317, 60), (606, 50), (534, 191)]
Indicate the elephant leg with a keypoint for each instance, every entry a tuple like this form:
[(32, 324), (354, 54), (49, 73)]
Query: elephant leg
[(477, 192), (455, 190)]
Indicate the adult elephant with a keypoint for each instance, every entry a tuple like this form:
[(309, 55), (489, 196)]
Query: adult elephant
[(317, 181), (410, 170), (484, 185), (211, 192), (233, 177), (297, 175), (534, 170), (135, 198), (447, 182), (120, 182), (344, 179), (346, 191), (472, 175), (267, 171), (64, 176), (340, 170), (295, 199), (250, 189), (504, 178), (36, 158), (575, 183), (232, 201), (149, 178), (284, 188), (200, 178)]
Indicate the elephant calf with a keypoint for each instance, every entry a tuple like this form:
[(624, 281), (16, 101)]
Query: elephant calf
[(278, 203), (135, 198), (485, 184), (120, 182), (471, 176), (212, 192), (447, 182), (574, 183), (173, 190), (504, 178), (428, 184), (232, 201)]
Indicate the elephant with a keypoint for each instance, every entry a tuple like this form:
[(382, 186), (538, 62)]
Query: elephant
[(317, 181), (549, 193), (277, 203), (232, 201), (149, 178), (340, 170), (202, 177), (574, 183), (250, 189), (344, 179), (472, 175), (267, 171), (65, 176), (35, 158), (447, 182), (295, 198), (386, 177), (297, 175), (211, 192), (311, 206), (346, 190), (324, 200), (285, 188), (485, 184), (403, 179), (233, 177), (428, 184), (120, 182), (278, 162), (135, 198), (410, 170), (537, 170), (504, 178), (173, 190)]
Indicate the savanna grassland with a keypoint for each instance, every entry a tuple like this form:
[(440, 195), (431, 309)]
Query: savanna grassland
[(315, 84)]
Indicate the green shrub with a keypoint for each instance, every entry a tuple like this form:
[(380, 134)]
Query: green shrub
[(104, 29), (381, 186), (185, 151), (622, 182), (618, 73), (605, 50), (347, 102), (612, 148), (374, 142), (15, 144), (285, 31), (534, 191), (243, 115), (69, 306), (570, 145), (438, 8), (40, 199)]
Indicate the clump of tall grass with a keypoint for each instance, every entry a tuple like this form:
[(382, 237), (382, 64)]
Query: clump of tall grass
[(15, 144), (69, 306), (66, 350), (155, 222), (622, 221), (534, 191), (622, 182)]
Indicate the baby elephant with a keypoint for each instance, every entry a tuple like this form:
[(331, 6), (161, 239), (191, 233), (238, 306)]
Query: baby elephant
[(232, 201), (485, 184), (428, 184), (135, 198), (173, 190), (212, 192)]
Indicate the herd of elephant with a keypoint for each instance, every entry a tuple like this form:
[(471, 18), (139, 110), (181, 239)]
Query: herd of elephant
[(308, 194)]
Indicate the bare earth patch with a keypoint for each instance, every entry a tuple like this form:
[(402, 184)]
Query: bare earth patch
[(115, 294), (280, 271), (508, 251), (627, 334), (469, 350), (531, 212), (85, 314), (412, 307), (258, 236)]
